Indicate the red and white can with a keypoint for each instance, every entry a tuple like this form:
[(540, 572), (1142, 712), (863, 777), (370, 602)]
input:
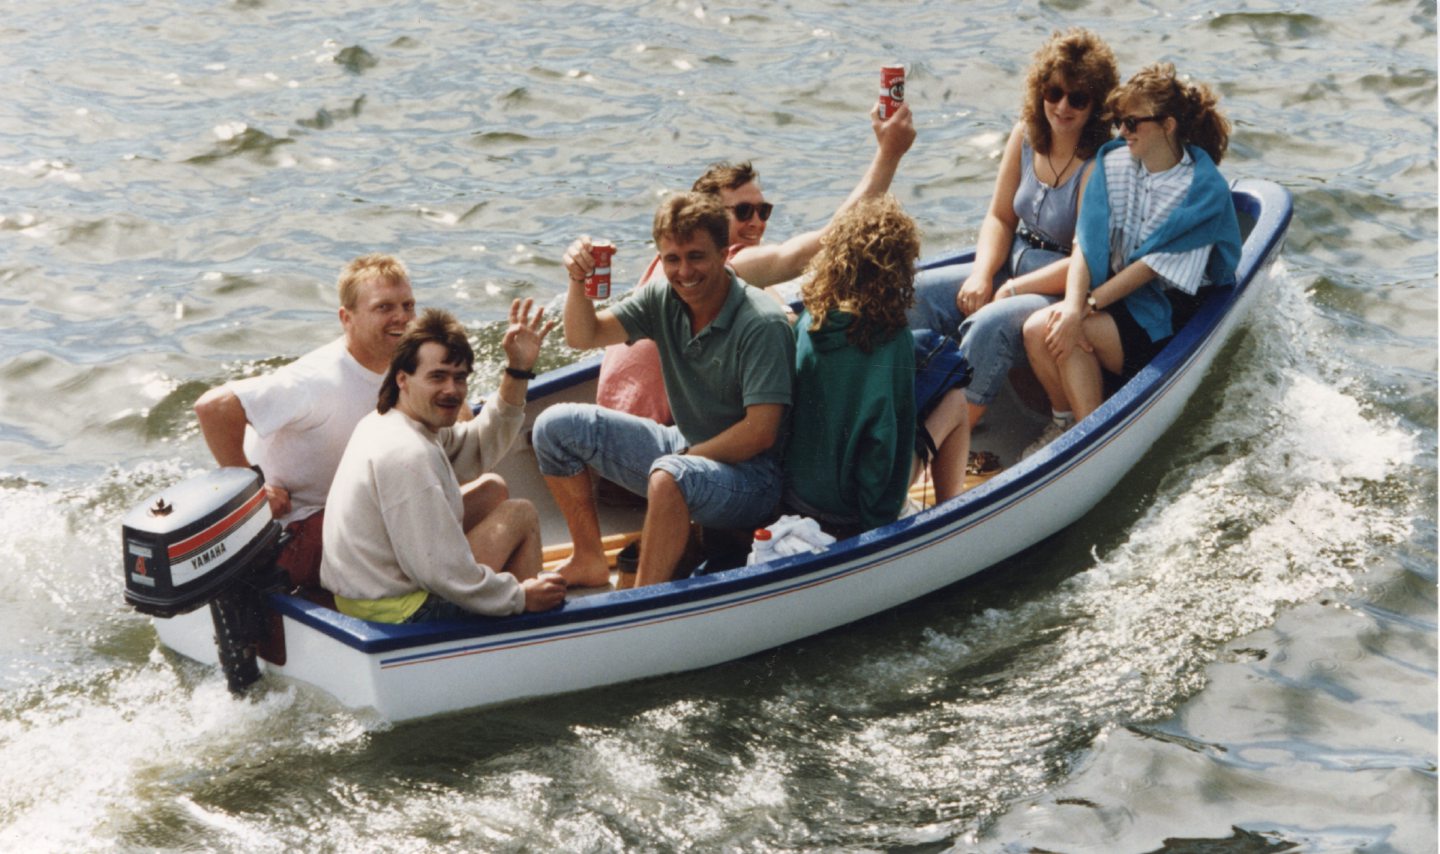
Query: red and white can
[(597, 284), (892, 89)]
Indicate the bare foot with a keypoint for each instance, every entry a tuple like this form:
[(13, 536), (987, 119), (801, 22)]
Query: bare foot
[(584, 573)]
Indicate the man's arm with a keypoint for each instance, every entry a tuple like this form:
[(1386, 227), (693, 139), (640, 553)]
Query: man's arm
[(480, 444), (771, 264), (222, 423), (521, 344), (584, 327), (750, 436)]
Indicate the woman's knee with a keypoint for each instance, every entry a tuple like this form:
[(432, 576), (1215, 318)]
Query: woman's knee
[(1033, 334)]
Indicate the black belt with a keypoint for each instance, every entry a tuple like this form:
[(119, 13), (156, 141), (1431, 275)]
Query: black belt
[(1038, 242)]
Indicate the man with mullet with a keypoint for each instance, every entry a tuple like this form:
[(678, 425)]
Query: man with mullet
[(401, 544), (727, 355)]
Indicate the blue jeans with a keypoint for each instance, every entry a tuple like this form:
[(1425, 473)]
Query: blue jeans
[(991, 339), (436, 608), (625, 449)]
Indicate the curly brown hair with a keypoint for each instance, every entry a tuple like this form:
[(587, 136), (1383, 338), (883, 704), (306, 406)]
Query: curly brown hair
[(1084, 61), (1194, 106), (865, 267)]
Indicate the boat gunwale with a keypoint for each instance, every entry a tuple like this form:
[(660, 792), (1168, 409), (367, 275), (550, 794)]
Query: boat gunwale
[(1268, 203)]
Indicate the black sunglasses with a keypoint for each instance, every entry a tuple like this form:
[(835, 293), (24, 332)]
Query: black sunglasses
[(1078, 100), (745, 210), (1133, 122)]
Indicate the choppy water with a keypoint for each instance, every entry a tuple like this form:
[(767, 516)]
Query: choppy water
[(1235, 653)]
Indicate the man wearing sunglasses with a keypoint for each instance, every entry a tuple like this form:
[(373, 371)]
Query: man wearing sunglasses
[(738, 187), (630, 374)]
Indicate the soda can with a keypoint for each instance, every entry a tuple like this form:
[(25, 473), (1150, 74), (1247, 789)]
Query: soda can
[(597, 284), (892, 89)]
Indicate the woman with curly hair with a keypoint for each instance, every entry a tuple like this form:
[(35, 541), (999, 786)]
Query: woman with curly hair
[(854, 416), (1023, 250), (1156, 224)]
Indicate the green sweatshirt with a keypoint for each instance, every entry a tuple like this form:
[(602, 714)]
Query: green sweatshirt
[(853, 425)]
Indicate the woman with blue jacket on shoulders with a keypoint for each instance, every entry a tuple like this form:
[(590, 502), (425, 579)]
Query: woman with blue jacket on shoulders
[(1156, 224)]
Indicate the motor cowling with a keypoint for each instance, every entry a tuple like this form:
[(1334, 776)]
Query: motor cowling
[(207, 540)]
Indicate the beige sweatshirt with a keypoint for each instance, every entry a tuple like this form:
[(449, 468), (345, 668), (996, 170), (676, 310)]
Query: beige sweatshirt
[(393, 519)]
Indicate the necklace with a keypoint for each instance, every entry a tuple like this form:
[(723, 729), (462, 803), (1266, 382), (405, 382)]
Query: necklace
[(1073, 152)]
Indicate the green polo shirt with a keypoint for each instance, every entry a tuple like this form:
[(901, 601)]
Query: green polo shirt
[(745, 356)]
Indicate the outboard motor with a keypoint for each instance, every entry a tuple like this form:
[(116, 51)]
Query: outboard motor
[(210, 539)]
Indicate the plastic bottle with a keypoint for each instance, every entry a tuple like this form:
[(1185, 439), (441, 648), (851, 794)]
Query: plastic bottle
[(764, 548)]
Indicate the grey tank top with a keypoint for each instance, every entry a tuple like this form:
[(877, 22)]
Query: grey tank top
[(1047, 211)]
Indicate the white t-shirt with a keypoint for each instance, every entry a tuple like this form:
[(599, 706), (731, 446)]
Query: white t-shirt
[(301, 417), (394, 521)]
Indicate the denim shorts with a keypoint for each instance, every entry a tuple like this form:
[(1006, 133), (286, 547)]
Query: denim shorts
[(625, 449), (437, 608)]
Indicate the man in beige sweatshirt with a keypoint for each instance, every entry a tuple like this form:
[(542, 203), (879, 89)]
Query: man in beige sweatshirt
[(398, 544)]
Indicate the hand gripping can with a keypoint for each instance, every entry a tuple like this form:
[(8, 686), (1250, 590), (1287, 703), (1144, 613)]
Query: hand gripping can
[(892, 89), (597, 284)]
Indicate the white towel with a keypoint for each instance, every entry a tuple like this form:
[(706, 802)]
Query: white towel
[(793, 535)]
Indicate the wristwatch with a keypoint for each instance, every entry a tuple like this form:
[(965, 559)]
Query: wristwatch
[(1090, 301), (520, 373)]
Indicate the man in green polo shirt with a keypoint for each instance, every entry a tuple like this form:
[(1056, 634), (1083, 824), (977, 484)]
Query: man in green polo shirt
[(727, 355)]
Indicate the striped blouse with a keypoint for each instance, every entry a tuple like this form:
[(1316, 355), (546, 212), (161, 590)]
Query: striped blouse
[(1140, 202)]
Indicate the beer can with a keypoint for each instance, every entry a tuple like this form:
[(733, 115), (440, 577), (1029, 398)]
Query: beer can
[(597, 284), (892, 88)]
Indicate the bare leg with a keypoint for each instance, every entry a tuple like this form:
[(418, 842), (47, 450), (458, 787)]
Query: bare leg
[(482, 496), (666, 531), (1043, 364), (587, 566), (508, 540), (949, 425), (976, 410), (1084, 385)]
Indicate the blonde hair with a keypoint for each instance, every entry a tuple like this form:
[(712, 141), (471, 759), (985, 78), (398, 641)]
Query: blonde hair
[(1194, 106), (376, 265), (865, 267), (1083, 60)]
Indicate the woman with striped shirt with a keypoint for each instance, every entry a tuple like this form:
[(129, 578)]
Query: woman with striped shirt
[(1156, 223)]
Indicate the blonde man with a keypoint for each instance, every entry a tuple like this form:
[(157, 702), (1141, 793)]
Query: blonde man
[(299, 418)]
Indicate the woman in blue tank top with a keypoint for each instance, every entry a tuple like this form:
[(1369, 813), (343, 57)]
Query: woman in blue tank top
[(1023, 250)]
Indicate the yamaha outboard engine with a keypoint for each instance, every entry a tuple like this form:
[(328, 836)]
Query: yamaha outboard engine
[(210, 539)]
